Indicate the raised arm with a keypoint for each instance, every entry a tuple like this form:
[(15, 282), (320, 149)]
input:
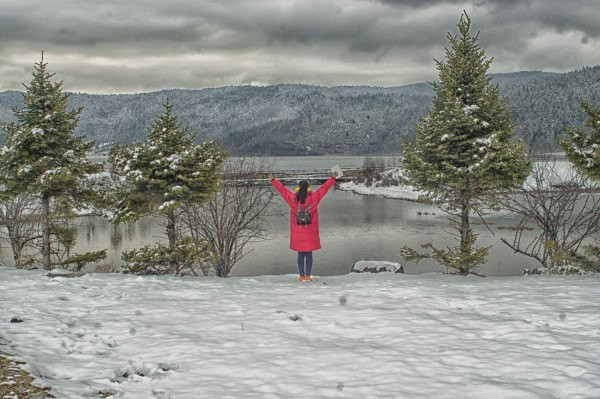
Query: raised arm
[(321, 191), (286, 194)]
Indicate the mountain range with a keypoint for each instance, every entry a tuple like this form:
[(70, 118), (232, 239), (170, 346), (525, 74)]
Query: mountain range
[(299, 119)]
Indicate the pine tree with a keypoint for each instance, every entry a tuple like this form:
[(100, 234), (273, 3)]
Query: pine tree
[(583, 150), (43, 156), (463, 148), (162, 175)]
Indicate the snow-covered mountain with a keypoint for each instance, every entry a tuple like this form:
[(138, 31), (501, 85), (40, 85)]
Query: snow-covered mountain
[(290, 119)]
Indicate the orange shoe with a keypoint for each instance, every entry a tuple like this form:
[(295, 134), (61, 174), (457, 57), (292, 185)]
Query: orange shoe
[(301, 278), (307, 278)]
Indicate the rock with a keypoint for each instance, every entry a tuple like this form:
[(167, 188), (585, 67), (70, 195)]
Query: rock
[(295, 317), (557, 270), (368, 266), (16, 319), (66, 275)]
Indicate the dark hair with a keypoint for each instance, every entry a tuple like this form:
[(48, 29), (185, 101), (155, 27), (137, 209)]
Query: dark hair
[(303, 192)]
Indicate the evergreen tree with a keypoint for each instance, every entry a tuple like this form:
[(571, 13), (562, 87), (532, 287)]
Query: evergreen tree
[(583, 150), (43, 156), (162, 175), (463, 148)]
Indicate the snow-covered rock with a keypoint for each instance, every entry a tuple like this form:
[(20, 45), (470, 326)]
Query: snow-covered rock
[(373, 266), (559, 270), (64, 273)]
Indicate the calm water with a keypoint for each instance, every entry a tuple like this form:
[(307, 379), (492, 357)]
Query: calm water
[(353, 228)]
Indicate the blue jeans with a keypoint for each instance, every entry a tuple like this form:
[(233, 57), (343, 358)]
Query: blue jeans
[(301, 257)]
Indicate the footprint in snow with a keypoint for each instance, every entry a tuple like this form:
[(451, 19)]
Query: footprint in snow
[(562, 316), (160, 393)]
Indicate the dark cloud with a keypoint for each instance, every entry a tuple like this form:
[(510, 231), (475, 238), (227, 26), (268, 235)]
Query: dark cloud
[(147, 44), (419, 3)]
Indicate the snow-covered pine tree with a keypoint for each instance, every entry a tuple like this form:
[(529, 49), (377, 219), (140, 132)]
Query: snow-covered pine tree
[(43, 156), (464, 148), (582, 149), (163, 174)]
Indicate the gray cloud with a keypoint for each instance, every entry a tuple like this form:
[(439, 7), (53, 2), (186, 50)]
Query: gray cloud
[(140, 45)]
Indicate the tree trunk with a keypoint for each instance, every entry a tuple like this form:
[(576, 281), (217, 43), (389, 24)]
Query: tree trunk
[(465, 229), (14, 245), (46, 232), (172, 236), (16, 255), (221, 267)]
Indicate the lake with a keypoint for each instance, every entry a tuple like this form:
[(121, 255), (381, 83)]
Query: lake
[(353, 228)]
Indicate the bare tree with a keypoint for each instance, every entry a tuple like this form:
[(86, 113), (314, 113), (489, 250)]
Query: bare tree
[(563, 204), (18, 214), (236, 215), (372, 168)]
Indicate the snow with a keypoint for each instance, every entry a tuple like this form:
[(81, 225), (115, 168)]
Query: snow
[(166, 204), (48, 174), (401, 191), (355, 336), (395, 192), (467, 109), (486, 141), (24, 169)]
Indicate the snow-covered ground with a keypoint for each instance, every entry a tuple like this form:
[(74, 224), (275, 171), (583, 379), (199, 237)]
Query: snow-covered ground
[(404, 192), (394, 192), (354, 336)]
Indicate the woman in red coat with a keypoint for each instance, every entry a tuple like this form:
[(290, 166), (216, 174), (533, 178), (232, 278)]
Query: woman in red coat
[(304, 221)]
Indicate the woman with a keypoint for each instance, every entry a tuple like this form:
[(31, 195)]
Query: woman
[(304, 221)]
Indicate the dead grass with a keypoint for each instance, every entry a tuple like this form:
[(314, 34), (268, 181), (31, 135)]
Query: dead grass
[(16, 383)]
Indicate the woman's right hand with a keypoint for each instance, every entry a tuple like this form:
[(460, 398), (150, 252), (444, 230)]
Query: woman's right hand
[(271, 177)]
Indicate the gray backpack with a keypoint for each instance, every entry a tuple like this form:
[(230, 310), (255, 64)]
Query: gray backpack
[(302, 214)]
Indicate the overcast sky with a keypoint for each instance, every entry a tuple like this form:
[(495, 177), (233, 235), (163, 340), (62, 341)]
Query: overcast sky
[(119, 46)]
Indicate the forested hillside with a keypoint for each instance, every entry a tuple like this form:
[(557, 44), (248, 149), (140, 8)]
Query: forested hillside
[(293, 119)]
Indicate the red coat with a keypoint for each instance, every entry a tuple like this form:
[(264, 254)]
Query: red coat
[(304, 238)]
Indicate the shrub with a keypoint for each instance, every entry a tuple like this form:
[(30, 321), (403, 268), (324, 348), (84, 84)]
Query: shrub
[(186, 259)]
